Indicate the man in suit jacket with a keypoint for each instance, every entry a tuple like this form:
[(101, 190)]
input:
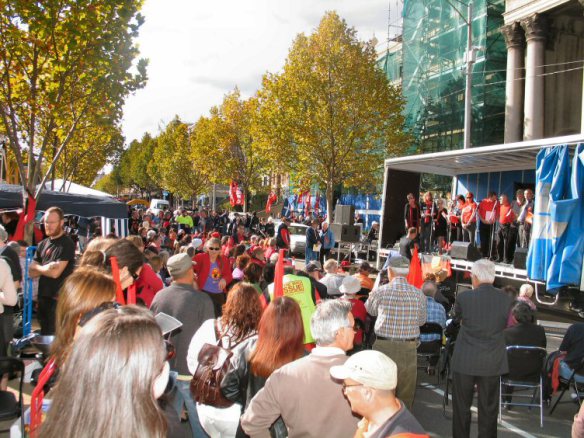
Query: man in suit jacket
[(479, 353)]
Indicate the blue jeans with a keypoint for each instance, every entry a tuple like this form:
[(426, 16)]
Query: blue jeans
[(310, 254), (566, 372), (183, 397)]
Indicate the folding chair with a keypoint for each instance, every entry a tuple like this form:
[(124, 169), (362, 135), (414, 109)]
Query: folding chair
[(565, 385), (430, 350), (525, 373), (10, 407)]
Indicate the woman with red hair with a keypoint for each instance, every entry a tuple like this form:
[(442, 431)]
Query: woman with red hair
[(280, 341)]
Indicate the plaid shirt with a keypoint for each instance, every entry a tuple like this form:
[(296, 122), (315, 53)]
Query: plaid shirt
[(436, 313), (400, 309)]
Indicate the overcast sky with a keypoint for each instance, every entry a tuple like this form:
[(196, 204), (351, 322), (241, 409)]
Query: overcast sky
[(200, 50)]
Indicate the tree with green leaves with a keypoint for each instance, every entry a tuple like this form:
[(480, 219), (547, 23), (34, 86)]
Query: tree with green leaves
[(64, 67), (173, 166), (331, 113), (134, 165)]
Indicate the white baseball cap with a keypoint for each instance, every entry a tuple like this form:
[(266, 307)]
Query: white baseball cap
[(369, 367), (350, 285)]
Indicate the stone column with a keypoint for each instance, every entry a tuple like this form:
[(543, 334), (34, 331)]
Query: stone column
[(515, 40), (536, 30)]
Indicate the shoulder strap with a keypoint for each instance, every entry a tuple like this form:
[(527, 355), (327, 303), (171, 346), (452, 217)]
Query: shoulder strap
[(218, 335)]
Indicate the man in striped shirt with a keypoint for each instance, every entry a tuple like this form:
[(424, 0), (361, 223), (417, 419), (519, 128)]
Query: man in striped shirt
[(401, 310)]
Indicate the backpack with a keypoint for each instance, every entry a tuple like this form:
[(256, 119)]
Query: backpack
[(214, 364)]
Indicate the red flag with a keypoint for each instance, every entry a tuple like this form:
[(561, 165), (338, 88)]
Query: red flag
[(116, 276), (300, 198), (279, 275), (25, 218), (233, 193), (317, 203), (272, 198), (307, 203), (415, 275)]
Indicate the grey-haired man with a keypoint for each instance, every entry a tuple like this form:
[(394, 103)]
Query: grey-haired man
[(401, 310)]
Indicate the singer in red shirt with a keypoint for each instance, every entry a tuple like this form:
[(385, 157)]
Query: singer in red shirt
[(507, 234), (488, 212)]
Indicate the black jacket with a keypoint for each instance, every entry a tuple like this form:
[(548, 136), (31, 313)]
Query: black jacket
[(480, 345)]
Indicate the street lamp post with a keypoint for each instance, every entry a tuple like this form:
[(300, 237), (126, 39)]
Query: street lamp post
[(470, 60)]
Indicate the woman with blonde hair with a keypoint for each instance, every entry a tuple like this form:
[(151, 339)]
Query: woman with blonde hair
[(83, 291), (117, 367), (213, 273)]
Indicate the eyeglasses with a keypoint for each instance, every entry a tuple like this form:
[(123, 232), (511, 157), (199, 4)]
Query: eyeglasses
[(345, 386), (87, 316), (214, 249), (170, 349)]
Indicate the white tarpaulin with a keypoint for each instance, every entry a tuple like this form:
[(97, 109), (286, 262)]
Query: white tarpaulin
[(77, 189)]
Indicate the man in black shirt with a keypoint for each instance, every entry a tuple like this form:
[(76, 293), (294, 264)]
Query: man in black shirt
[(54, 261), (408, 243), (573, 345)]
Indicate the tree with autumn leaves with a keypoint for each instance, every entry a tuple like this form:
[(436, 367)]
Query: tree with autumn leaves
[(330, 118), (331, 111), (64, 76)]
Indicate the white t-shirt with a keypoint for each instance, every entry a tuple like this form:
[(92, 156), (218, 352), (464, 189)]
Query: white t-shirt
[(7, 288)]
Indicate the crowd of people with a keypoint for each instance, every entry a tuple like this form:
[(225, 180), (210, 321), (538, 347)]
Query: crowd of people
[(326, 354), (502, 224)]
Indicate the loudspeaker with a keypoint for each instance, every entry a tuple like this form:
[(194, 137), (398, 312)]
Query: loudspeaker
[(520, 259), (345, 233), (344, 214), (464, 251)]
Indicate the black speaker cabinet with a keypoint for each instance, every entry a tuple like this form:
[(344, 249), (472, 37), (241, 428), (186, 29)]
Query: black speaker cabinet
[(344, 214), (345, 233), (520, 259), (464, 251)]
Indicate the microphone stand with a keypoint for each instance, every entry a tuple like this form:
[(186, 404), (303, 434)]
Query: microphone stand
[(431, 247)]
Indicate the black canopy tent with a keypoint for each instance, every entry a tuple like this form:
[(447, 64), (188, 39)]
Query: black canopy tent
[(110, 210)]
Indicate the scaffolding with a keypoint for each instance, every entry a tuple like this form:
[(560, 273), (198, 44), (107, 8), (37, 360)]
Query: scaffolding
[(432, 73)]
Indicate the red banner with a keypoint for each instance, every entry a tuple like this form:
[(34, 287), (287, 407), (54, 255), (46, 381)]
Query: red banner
[(236, 196), (232, 193), (307, 201)]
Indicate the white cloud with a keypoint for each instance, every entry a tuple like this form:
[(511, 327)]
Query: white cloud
[(200, 50)]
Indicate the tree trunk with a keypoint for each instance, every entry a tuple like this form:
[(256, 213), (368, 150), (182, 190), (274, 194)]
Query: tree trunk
[(29, 228), (329, 203)]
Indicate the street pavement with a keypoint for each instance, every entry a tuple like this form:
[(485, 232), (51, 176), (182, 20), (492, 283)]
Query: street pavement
[(519, 421)]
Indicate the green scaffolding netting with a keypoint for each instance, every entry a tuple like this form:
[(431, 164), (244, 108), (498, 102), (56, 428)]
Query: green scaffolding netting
[(432, 69)]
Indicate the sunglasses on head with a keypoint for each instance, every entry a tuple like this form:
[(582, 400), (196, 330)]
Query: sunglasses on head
[(87, 316)]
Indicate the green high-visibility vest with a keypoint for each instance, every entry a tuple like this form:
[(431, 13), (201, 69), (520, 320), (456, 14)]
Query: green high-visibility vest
[(300, 290)]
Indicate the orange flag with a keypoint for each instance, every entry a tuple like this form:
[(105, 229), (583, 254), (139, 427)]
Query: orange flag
[(415, 275), (279, 275)]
